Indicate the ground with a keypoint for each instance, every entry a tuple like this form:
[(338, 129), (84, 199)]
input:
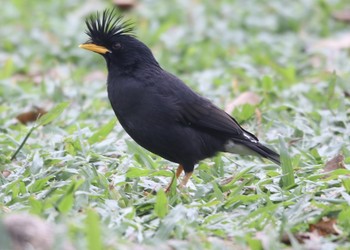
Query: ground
[(280, 67)]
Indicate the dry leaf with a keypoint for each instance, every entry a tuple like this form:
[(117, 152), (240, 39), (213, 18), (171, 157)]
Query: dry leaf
[(343, 16), (244, 98), (294, 141), (227, 180), (125, 4), (324, 227), (6, 173), (335, 163), (312, 239), (27, 230), (315, 242), (336, 43), (300, 237), (31, 116)]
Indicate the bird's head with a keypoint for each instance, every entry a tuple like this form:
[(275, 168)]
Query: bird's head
[(112, 38)]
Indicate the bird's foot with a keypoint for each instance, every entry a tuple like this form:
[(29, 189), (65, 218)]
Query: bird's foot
[(177, 174), (183, 183)]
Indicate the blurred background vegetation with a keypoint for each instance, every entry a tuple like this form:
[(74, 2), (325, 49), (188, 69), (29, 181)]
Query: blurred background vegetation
[(280, 67)]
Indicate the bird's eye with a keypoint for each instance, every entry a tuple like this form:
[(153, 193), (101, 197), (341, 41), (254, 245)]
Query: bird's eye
[(117, 46)]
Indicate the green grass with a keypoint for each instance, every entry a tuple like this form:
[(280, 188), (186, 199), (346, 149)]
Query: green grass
[(80, 170)]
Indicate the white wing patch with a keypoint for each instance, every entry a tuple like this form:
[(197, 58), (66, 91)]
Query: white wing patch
[(239, 149), (249, 137)]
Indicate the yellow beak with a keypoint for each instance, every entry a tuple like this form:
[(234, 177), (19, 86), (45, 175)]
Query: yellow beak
[(94, 48)]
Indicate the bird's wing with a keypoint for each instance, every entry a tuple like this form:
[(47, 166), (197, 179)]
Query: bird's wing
[(198, 112), (202, 114)]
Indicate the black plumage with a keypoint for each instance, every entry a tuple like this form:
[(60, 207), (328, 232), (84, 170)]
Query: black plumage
[(156, 108)]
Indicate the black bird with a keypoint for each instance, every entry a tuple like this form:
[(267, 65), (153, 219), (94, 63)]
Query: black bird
[(157, 109)]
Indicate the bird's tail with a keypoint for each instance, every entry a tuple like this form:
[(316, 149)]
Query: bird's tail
[(265, 152), (244, 147)]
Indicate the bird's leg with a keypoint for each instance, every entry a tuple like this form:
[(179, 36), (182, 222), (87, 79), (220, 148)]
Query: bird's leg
[(179, 170), (185, 179)]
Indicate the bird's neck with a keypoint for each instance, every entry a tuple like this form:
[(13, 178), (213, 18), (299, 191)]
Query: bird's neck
[(134, 70)]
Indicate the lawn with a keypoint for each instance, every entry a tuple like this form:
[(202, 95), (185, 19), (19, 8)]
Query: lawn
[(281, 68)]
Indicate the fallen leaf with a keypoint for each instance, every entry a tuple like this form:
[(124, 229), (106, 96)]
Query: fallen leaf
[(244, 98), (335, 163), (294, 141), (6, 173), (125, 4), (227, 180), (27, 230), (31, 116), (342, 15), (300, 237), (325, 226), (309, 241), (315, 242), (336, 43)]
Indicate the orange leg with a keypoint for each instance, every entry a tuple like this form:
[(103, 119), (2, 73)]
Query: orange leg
[(185, 179), (179, 170)]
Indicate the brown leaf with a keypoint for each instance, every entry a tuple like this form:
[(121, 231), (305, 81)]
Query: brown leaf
[(31, 116), (6, 173), (300, 237), (335, 163), (125, 4), (227, 180), (336, 43), (309, 241), (342, 15), (244, 98), (325, 226), (315, 242), (27, 230), (294, 141)]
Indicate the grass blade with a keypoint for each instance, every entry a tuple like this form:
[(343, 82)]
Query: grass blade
[(93, 230), (52, 114), (286, 164), (102, 133), (161, 205)]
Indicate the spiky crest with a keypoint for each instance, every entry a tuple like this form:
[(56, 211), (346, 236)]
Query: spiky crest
[(102, 28)]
